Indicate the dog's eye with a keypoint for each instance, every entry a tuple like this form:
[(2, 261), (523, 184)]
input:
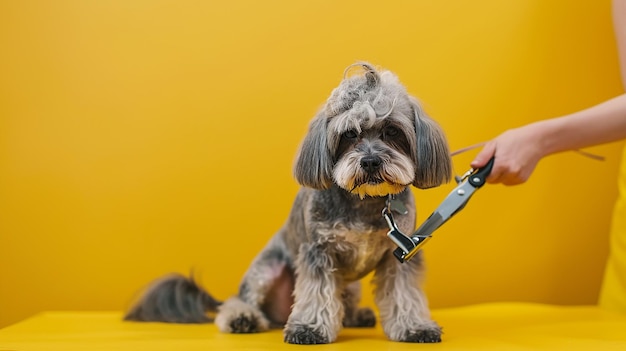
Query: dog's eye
[(351, 134), (391, 131)]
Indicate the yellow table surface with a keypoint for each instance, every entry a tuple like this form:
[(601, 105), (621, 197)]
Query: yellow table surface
[(498, 326)]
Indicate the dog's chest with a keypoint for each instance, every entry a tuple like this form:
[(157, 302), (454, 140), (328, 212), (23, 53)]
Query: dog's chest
[(358, 252), (352, 231)]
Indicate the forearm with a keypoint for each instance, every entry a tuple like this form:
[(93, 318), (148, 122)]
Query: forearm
[(599, 124)]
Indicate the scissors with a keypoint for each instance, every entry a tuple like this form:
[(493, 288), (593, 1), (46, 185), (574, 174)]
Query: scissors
[(408, 246)]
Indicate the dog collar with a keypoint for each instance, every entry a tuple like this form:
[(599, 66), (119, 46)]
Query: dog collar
[(395, 205)]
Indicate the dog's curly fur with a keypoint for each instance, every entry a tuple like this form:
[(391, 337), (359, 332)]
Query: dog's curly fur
[(371, 139)]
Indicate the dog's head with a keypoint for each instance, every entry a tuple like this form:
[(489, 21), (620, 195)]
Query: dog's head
[(372, 139)]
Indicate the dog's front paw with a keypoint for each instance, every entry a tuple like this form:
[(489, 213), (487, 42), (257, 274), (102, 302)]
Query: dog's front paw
[(304, 335), (428, 335)]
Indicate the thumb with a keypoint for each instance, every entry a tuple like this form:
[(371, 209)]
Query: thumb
[(484, 155)]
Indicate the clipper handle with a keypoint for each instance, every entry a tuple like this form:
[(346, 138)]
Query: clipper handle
[(478, 178)]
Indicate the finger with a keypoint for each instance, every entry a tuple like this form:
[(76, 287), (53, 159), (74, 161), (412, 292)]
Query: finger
[(514, 179), (494, 177), (484, 155)]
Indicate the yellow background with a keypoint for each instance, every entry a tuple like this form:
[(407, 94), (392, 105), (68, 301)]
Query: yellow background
[(143, 137)]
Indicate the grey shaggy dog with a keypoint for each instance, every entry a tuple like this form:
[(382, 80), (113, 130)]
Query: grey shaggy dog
[(370, 140)]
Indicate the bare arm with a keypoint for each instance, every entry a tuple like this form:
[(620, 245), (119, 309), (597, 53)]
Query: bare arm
[(519, 150)]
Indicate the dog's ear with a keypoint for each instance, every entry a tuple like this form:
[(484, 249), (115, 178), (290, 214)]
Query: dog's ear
[(433, 162), (313, 166)]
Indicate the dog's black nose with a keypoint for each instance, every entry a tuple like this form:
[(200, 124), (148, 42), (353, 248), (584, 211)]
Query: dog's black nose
[(371, 164)]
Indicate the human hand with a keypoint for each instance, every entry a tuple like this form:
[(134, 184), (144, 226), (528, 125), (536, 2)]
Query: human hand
[(516, 151)]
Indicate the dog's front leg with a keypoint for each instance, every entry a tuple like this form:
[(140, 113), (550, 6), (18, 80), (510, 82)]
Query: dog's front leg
[(317, 313), (403, 306)]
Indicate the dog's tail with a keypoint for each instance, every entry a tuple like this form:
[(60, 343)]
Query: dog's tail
[(173, 299)]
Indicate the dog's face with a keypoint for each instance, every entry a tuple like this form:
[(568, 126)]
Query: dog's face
[(372, 150), (372, 139)]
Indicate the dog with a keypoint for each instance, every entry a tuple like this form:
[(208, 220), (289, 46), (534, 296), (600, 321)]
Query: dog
[(370, 141)]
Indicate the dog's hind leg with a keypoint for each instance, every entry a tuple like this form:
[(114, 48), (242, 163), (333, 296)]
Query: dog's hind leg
[(265, 294), (237, 316), (356, 316), (403, 306)]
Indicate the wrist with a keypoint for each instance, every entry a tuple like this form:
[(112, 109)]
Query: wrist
[(547, 134)]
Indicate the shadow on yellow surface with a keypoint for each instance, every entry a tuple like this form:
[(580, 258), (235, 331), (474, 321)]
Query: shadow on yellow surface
[(502, 326)]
